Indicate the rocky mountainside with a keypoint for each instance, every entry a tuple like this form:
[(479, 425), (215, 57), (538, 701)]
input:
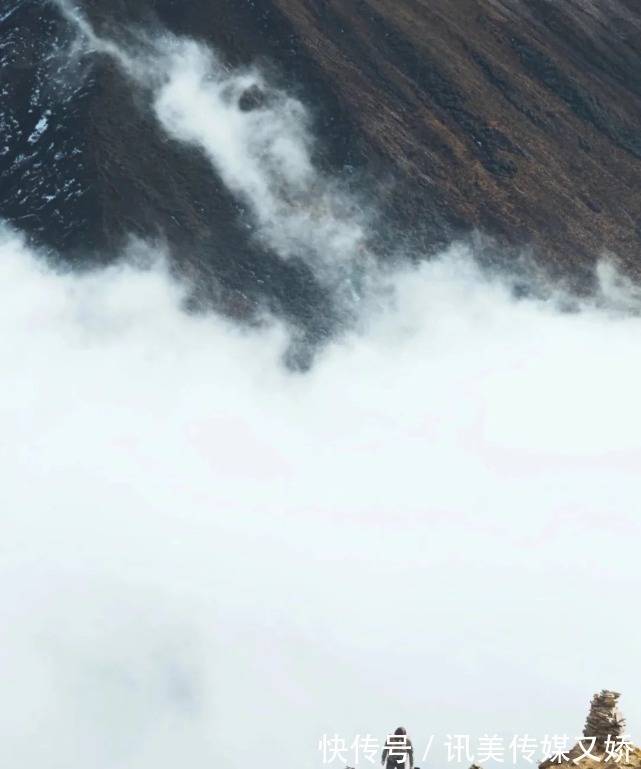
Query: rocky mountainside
[(606, 741), (515, 117), (519, 117)]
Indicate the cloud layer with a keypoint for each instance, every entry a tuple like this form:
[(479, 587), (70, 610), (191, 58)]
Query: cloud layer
[(207, 559)]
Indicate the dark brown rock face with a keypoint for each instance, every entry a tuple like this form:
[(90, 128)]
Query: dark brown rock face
[(520, 117), (517, 117)]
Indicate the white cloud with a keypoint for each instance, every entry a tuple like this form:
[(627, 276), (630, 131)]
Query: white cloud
[(208, 559), (442, 510)]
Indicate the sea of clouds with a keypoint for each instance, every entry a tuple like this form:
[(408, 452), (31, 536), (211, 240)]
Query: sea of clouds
[(210, 560)]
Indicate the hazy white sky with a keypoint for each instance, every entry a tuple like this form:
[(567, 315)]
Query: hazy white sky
[(206, 559)]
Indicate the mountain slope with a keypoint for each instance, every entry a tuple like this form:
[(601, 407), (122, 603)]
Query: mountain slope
[(515, 117)]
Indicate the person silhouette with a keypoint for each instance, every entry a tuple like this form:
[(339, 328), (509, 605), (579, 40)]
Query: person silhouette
[(398, 752)]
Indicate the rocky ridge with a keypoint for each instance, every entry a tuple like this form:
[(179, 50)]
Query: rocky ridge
[(517, 118)]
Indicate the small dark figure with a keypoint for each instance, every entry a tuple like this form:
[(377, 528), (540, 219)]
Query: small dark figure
[(398, 752)]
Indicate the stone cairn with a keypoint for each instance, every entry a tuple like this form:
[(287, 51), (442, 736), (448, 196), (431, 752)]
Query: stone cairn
[(604, 718)]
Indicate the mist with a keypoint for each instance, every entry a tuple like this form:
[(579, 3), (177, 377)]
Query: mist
[(209, 559)]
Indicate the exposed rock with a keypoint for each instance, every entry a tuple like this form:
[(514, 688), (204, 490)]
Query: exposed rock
[(605, 742), (514, 115), (517, 117), (604, 720), (253, 98)]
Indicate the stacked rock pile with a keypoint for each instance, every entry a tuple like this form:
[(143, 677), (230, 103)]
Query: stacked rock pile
[(604, 718)]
